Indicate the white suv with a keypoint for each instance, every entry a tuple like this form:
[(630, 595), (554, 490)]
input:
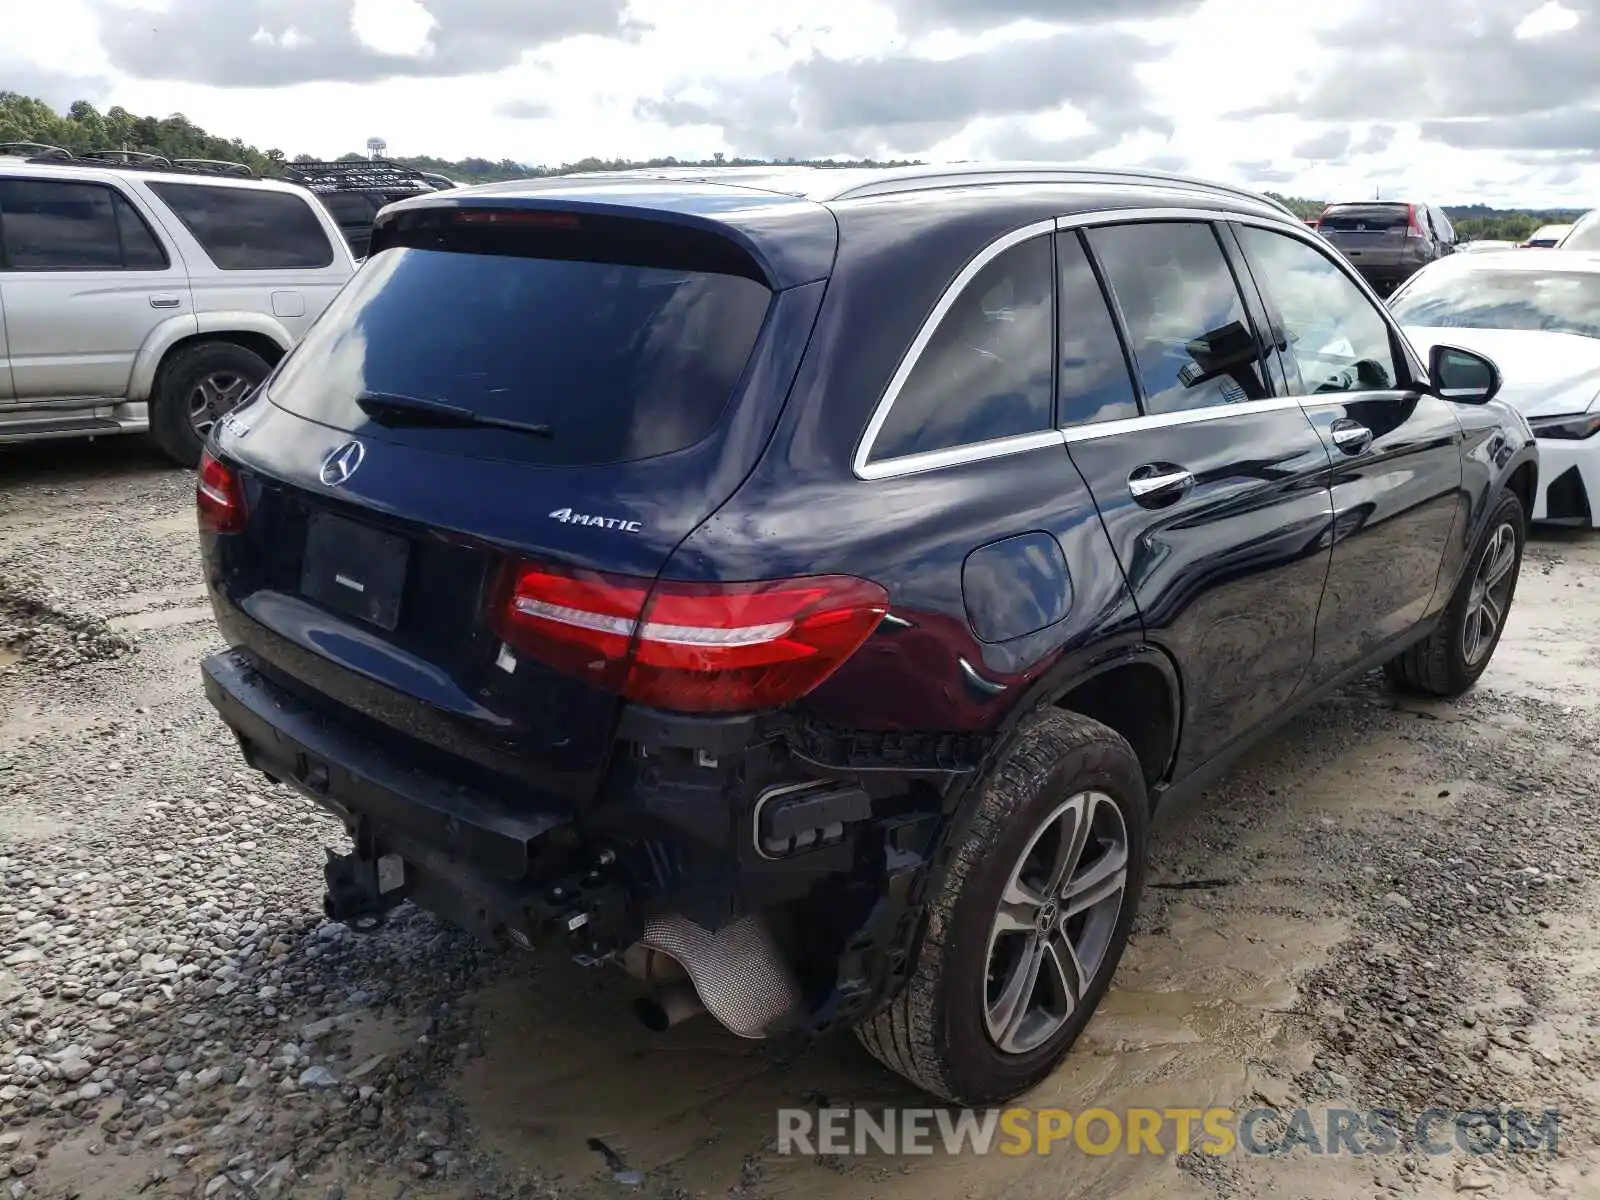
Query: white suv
[(150, 300)]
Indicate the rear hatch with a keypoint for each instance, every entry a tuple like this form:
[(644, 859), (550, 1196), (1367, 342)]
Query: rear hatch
[(1369, 234), (500, 391)]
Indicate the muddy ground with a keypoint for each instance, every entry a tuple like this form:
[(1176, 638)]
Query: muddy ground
[(1390, 904)]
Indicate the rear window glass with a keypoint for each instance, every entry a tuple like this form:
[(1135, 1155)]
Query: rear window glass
[(249, 229), (986, 372), (618, 361), (1369, 218), (350, 208)]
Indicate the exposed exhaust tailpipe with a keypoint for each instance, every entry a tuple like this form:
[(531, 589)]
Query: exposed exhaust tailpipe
[(737, 974), (667, 1006)]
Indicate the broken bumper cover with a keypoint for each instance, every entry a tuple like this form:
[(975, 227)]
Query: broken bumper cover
[(519, 871), (467, 855), (286, 740)]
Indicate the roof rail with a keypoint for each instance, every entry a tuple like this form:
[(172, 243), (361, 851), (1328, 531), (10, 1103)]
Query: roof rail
[(34, 151), (896, 179), (358, 175), (215, 166), (144, 159)]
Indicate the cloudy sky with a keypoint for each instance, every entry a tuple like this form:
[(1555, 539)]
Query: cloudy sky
[(1491, 100)]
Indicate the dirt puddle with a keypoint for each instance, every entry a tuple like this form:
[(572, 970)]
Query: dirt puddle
[(1204, 995), (1550, 651)]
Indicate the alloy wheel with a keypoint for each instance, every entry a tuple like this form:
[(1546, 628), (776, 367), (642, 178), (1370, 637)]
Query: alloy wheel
[(1056, 922), (214, 397), (1490, 595)]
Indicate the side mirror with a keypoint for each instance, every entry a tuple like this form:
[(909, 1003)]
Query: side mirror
[(1463, 375)]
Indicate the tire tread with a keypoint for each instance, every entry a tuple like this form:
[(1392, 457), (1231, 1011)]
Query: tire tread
[(905, 1035)]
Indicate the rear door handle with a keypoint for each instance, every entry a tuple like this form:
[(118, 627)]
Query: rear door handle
[(1351, 436), (164, 301), (1156, 485)]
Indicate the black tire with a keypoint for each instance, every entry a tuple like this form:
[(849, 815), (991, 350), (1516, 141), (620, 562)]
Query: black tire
[(185, 371), (1440, 664), (936, 1032)]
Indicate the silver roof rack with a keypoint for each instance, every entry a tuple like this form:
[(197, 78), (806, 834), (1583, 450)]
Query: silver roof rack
[(890, 180), (824, 184)]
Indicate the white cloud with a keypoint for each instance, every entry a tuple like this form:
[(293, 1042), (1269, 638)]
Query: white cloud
[(393, 26), (1152, 81), (1548, 19)]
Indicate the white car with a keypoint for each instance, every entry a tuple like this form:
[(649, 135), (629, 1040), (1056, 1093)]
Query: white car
[(1584, 234), (1538, 317), (135, 300)]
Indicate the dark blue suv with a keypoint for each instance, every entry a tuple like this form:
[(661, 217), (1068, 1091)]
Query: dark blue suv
[(802, 587)]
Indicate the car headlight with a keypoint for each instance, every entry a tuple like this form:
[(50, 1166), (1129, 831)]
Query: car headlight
[(1571, 429)]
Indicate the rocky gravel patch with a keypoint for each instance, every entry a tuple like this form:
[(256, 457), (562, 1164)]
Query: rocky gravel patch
[(177, 1018)]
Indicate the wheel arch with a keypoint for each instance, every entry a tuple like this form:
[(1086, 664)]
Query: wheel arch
[(1119, 688), (1523, 481), (256, 332)]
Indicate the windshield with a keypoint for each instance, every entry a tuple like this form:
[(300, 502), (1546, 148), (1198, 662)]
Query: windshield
[(1558, 302), (1585, 235)]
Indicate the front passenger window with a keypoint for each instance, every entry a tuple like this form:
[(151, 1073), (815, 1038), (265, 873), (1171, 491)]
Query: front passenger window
[(1192, 342), (1336, 337)]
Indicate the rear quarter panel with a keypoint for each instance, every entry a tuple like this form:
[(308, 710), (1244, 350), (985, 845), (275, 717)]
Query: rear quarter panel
[(803, 510)]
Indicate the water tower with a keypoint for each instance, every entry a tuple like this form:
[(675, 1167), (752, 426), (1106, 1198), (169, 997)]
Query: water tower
[(376, 147)]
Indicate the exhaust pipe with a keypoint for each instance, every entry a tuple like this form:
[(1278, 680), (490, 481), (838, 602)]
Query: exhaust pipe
[(667, 1006), (737, 974)]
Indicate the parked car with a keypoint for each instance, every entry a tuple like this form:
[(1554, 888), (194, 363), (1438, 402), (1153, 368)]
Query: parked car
[(1483, 246), (1389, 240), (803, 591), (149, 298), (354, 190), (1584, 234), (1546, 237), (1538, 317)]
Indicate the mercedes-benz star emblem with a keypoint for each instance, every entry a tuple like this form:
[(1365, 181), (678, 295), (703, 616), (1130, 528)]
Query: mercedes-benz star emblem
[(341, 463)]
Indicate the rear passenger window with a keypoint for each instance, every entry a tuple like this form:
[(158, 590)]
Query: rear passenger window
[(986, 372), (249, 229), (1192, 342), (1336, 336), (1093, 373), (58, 226)]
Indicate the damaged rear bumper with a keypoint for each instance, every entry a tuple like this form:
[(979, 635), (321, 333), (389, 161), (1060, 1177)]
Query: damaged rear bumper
[(632, 874)]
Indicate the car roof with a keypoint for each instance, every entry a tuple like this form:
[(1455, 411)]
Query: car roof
[(1545, 262), (108, 174), (788, 218)]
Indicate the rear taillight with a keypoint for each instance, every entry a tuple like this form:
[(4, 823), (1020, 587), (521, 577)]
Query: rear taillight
[(688, 647), (1413, 229), (219, 497)]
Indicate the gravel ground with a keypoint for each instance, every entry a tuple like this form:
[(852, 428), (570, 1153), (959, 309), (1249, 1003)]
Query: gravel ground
[(1390, 904)]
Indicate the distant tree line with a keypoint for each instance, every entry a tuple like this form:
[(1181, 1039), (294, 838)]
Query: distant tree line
[(84, 127)]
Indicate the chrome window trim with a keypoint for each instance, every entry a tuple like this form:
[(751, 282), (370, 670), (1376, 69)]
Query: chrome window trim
[(1187, 416), (932, 460), (908, 362)]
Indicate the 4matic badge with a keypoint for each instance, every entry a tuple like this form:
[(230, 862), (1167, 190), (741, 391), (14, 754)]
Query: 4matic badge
[(567, 517)]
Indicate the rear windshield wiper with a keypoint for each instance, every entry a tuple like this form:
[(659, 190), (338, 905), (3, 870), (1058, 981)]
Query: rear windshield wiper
[(420, 411)]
